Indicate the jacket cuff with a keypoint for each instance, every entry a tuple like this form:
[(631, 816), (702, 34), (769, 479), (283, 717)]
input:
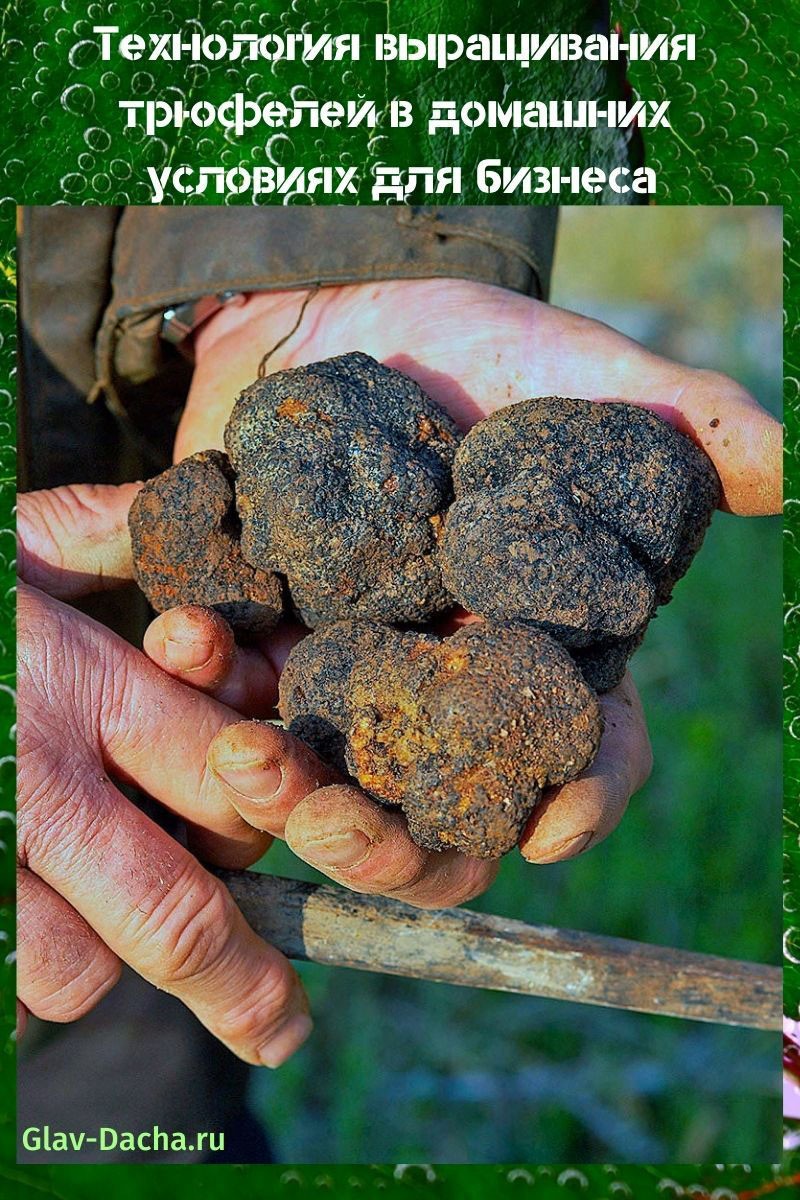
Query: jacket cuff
[(167, 256)]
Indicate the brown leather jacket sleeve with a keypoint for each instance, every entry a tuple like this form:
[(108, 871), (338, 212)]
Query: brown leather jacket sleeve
[(96, 282)]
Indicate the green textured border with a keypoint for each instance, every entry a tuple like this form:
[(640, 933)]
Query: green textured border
[(711, 156)]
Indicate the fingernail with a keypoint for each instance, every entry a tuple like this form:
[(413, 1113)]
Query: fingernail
[(187, 656), (571, 846), (339, 850), (254, 779), (289, 1038)]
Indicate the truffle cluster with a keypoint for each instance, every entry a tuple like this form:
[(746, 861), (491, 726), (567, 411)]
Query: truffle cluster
[(348, 498)]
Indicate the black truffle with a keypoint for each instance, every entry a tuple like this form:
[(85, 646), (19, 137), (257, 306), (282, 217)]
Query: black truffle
[(579, 518), (343, 474)]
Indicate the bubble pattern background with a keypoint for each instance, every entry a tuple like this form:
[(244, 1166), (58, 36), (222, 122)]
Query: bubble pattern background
[(63, 142), (59, 72)]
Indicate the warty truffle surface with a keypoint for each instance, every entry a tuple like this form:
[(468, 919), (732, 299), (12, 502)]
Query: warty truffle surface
[(578, 517), (185, 541), (343, 476), (462, 733)]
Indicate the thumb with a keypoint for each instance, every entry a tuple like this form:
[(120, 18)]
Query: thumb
[(73, 540), (743, 441), (579, 356)]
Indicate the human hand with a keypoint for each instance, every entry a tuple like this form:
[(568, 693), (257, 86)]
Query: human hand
[(100, 883), (486, 348)]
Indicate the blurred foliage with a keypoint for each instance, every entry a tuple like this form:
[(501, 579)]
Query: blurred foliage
[(672, 278)]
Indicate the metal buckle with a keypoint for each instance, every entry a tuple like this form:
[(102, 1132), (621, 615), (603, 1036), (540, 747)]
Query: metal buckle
[(181, 320)]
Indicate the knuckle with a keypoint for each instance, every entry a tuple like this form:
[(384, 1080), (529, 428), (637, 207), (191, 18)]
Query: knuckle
[(408, 874), (63, 969), (188, 933), (30, 603), (465, 880), (65, 664), (77, 995), (402, 874), (251, 1022), (43, 637), (410, 866), (475, 876), (36, 780), (717, 380), (72, 505), (54, 818)]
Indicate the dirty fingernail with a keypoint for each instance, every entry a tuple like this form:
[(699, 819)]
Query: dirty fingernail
[(565, 849), (339, 850), (255, 780), (187, 656), (289, 1038)]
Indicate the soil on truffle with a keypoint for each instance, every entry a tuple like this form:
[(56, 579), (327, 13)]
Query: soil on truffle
[(563, 523), (343, 475), (579, 518), (463, 733), (185, 539)]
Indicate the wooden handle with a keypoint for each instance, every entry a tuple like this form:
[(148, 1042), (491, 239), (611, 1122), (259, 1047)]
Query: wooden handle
[(342, 929)]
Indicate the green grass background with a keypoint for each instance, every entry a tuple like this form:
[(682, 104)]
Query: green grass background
[(731, 117)]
